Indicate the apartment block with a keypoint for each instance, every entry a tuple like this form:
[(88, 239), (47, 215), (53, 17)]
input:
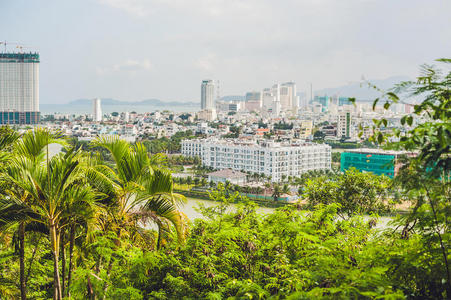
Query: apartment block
[(264, 157)]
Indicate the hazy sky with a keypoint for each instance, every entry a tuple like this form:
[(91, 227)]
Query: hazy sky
[(141, 49)]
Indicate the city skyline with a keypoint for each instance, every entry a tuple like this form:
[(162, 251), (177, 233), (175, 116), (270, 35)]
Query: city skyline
[(135, 50)]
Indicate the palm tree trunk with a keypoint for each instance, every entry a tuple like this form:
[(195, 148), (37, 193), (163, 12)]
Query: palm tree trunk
[(55, 247), (89, 288), (159, 238), (23, 291), (63, 264), (30, 264), (110, 265), (71, 251)]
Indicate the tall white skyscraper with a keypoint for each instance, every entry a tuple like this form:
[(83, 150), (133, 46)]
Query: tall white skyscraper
[(207, 94), (19, 88), (267, 98), (289, 100), (97, 110)]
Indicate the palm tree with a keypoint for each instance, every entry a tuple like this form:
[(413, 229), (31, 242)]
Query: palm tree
[(285, 189), (31, 146), (46, 187), (141, 191), (81, 210), (276, 192), (7, 138), (284, 177), (300, 191)]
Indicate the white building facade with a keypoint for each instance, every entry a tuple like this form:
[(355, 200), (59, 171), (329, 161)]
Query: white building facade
[(97, 110), (344, 124), (267, 157), (207, 94), (19, 88)]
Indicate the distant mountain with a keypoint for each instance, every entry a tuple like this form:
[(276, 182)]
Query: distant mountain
[(154, 102), (361, 91)]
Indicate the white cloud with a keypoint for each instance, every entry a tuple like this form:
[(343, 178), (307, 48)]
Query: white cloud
[(212, 8), (134, 7), (129, 65), (206, 63)]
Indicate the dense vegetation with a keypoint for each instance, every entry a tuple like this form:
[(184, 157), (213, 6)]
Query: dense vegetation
[(167, 145), (81, 226)]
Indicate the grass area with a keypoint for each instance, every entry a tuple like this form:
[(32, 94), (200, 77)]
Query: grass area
[(205, 196)]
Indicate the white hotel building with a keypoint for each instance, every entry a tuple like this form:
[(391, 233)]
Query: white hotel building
[(265, 157)]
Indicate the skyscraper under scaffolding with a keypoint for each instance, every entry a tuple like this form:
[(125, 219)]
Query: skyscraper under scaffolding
[(19, 88)]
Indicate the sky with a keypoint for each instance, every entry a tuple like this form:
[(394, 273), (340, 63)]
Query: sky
[(141, 49)]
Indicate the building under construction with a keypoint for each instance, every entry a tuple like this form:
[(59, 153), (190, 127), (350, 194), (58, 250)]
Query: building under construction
[(19, 88), (377, 161)]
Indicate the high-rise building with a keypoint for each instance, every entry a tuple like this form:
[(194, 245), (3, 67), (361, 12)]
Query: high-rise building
[(324, 101), (19, 88), (284, 94), (207, 94), (276, 104), (253, 96), (285, 97), (253, 101), (291, 101), (344, 124), (267, 99), (344, 101), (97, 110)]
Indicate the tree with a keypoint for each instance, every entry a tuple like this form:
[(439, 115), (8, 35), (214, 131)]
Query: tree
[(29, 151), (276, 192), (46, 186), (425, 177), (285, 189), (336, 157), (356, 192), (137, 182), (319, 135), (284, 177)]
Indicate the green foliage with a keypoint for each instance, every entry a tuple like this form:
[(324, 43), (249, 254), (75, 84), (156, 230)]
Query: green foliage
[(424, 180), (336, 157), (319, 135), (164, 144), (242, 255), (356, 192), (283, 126), (108, 227), (429, 127), (343, 145)]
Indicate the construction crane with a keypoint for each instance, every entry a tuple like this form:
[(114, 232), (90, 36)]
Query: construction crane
[(18, 46), (21, 48)]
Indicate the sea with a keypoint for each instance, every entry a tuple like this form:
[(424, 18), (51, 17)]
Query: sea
[(86, 109)]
